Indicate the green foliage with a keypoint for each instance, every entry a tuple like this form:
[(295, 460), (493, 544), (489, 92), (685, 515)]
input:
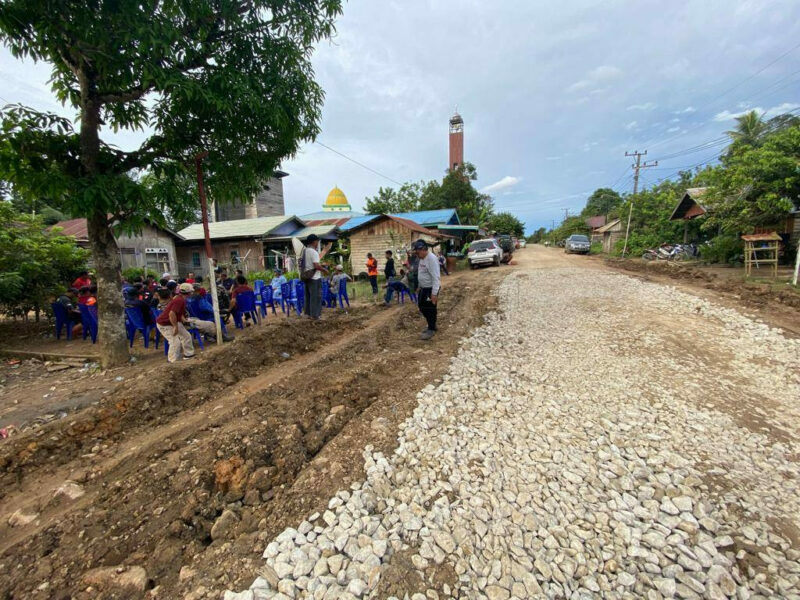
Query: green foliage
[(231, 79), (750, 129), (389, 200), (455, 191), (35, 264), (756, 186), (537, 236), (602, 202), (569, 226), (267, 276), (506, 223), (132, 273), (723, 249), (596, 248)]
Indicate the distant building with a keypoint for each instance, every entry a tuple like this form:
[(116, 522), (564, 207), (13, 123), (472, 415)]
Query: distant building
[(611, 232), (595, 223), (336, 211), (456, 141), (153, 247), (267, 203)]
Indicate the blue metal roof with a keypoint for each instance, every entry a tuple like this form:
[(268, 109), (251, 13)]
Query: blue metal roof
[(356, 221), (443, 216)]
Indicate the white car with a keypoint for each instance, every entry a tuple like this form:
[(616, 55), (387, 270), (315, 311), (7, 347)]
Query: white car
[(484, 252)]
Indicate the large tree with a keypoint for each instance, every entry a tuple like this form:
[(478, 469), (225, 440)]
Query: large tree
[(601, 202), (756, 186), (750, 129), (388, 200), (505, 222), (226, 77), (457, 191)]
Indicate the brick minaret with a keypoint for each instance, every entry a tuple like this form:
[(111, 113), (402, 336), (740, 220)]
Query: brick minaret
[(456, 141)]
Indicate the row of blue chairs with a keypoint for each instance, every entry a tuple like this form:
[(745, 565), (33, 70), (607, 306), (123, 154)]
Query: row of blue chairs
[(63, 321), (292, 297)]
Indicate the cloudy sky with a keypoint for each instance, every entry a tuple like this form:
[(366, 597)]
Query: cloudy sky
[(552, 94)]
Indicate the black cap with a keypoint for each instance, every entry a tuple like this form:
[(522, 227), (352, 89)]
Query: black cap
[(312, 238), (419, 245)]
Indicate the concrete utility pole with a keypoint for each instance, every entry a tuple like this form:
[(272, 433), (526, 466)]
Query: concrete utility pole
[(636, 167), (566, 214)]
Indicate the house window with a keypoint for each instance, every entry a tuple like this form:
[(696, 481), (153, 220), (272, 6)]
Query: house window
[(196, 260), (234, 254)]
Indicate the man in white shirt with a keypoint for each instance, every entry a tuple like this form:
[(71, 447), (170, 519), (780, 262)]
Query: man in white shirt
[(312, 292), (429, 286)]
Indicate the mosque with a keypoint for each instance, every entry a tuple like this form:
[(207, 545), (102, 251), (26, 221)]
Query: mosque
[(336, 211)]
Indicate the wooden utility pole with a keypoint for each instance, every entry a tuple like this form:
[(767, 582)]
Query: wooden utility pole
[(566, 214), (636, 167), (209, 254)]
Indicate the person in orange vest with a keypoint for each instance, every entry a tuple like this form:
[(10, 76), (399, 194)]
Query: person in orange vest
[(372, 273)]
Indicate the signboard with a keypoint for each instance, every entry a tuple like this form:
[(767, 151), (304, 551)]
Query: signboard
[(156, 251)]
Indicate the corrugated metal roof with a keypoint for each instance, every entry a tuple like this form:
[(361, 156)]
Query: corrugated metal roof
[(330, 215), (304, 232), (608, 227), (237, 228), (407, 223), (74, 227), (431, 217), (356, 221)]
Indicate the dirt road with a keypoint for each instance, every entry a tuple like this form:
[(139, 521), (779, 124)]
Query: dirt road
[(258, 432), (600, 436)]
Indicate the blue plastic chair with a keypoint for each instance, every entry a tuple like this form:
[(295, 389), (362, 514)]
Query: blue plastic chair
[(328, 299), (137, 323), (89, 321), (62, 319), (342, 293), (267, 300), (245, 305), (258, 287), (290, 298), (194, 310), (193, 330), (298, 290)]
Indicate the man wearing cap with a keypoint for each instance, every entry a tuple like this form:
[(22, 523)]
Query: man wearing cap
[(171, 325), (429, 286), (312, 290)]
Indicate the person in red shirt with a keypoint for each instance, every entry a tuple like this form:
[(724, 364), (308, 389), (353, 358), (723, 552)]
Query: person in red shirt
[(171, 325), (241, 286), (83, 280), (84, 295), (372, 273), (190, 277)]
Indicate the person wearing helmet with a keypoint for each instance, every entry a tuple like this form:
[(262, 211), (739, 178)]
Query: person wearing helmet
[(429, 286)]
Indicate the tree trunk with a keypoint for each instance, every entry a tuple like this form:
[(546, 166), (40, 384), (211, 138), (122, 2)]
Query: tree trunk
[(110, 305), (111, 335)]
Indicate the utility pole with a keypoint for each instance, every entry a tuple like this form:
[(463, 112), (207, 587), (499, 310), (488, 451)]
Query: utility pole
[(566, 214), (636, 167), (198, 160)]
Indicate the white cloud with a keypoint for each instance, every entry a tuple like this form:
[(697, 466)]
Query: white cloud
[(781, 109), (553, 157), (596, 77), (645, 106), (675, 120), (502, 184), (685, 111), (673, 129), (768, 113), (631, 125)]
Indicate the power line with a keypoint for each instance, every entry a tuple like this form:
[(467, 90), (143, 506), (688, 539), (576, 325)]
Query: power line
[(637, 166), (718, 96), (362, 165)]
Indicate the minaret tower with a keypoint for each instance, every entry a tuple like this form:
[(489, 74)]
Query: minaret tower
[(456, 141)]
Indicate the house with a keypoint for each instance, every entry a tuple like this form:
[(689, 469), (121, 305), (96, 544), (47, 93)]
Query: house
[(611, 232), (267, 203), (689, 207), (154, 247), (595, 223), (387, 232), (245, 244)]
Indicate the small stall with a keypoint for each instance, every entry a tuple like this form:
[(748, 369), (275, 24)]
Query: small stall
[(761, 250)]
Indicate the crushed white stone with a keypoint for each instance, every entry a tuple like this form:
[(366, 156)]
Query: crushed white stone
[(588, 441)]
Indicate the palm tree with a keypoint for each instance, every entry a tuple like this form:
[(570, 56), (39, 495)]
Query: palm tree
[(749, 130)]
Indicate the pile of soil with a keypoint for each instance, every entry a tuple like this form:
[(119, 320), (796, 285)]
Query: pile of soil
[(170, 488)]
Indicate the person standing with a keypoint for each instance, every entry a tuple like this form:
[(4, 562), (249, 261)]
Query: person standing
[(372, 273), (429, 286), (83, 280), (312, 288), (388, 269)]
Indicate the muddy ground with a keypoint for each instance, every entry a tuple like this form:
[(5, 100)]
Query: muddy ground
[(167, 485), (777, 304)]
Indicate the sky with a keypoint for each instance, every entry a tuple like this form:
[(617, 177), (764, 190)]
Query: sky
[(552, 94)]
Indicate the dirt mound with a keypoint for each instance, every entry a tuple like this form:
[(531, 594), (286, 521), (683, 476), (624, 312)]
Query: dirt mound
[(187, 471)]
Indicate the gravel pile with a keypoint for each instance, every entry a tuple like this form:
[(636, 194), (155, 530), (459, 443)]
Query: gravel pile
[(599, 436)]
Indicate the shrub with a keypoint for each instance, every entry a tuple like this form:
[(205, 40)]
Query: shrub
[(727, 249), (132, 273)]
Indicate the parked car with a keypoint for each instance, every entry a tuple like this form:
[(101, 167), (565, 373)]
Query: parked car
[(484, 252), (577, 243), (523, 243), (506, 244)]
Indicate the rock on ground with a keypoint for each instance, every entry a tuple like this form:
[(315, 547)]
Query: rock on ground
[(600, 436)]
